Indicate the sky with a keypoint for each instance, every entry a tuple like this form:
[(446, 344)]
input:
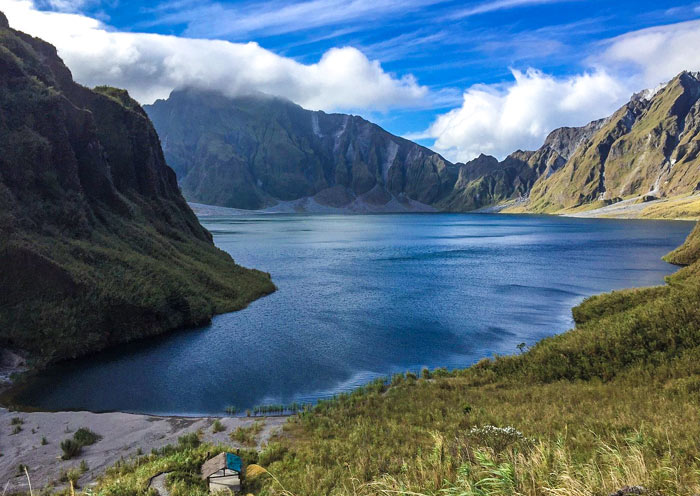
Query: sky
[(461, 77)]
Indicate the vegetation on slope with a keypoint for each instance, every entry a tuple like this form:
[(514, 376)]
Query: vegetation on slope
[(97, 245), (610, 407), (648, 147)]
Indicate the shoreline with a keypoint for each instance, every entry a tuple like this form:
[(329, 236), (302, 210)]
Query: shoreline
[(629, 209), (123, 435)]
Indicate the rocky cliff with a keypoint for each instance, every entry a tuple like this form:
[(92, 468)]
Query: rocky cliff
[(649, 147), (254, 151), (97, 245)]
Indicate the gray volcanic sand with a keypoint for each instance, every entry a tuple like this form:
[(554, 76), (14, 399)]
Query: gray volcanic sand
[(122, 435)]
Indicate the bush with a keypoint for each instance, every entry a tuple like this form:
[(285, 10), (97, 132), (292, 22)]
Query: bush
[(71, 448), (247, 435), (85, 437), (218, 426)]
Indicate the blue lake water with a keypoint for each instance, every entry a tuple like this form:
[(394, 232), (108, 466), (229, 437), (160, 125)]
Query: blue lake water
[(367, 296)]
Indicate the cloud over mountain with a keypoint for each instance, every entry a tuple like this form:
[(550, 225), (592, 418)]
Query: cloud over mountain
[(497, 119), (151, 65)]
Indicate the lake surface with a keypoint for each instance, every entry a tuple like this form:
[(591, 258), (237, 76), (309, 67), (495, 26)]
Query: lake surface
[(365, 296)]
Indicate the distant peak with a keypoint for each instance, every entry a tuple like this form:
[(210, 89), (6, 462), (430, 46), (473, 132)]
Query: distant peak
[(684, 78), (192, 91)]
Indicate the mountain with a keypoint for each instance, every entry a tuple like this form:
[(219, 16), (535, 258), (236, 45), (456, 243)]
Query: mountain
[(97, 245), (255, 151), (649, 147)]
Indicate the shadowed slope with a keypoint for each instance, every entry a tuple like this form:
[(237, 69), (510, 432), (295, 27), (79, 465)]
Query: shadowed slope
[(97, 244)]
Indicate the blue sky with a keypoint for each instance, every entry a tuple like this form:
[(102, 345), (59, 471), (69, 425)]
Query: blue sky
[(433, 52)]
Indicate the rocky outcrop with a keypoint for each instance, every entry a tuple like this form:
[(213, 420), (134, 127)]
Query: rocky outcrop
[(649, 147), (97, 245)]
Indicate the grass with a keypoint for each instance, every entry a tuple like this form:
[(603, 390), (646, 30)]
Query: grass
[(72, 447), (247, 435), (86, 437), (613, 403), (681, 207), (183, 461)]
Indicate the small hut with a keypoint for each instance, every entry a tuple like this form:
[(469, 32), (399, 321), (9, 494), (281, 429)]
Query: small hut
[(223, 472)]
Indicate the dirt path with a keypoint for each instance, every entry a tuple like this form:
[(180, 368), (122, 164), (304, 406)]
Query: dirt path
[(158, 483), (34, 440)]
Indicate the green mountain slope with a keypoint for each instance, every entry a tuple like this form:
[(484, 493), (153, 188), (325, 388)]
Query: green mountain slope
[(253, 151), (648, 147), (97, 245)]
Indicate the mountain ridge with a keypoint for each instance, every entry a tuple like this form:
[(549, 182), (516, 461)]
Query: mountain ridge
[(648, 147), (266, 152), (254, 151)]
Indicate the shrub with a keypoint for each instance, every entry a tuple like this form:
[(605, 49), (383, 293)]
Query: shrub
[(86, 437), (247, 434), (71, 448), (218, 426), (72, 475)]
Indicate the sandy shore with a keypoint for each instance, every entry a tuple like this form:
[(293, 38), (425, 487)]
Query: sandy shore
[(123, 435), (680, 208)]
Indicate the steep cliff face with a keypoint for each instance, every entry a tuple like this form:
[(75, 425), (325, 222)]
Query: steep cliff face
[(648, 147), (253, 151), (97, 245)]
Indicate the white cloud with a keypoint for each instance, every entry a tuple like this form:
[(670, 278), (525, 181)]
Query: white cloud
[(498, 119), (214, 19), (655, 54), (151, 65), (495, 5)]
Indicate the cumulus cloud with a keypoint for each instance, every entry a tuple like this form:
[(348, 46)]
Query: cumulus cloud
[(151, 65), (656, 54), (498, 119)]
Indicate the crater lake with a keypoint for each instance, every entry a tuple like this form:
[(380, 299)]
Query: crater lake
[(364, 296)]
